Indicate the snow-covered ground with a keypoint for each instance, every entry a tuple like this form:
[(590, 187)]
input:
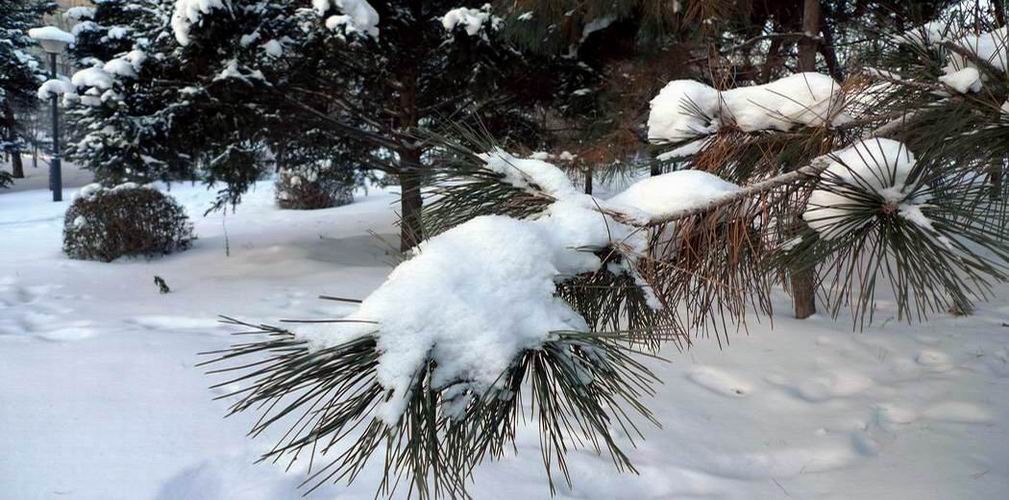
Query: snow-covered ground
[(38, 177), (100, 398)]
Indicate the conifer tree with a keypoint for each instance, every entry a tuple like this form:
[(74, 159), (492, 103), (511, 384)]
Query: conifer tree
[(253, 80), (542, 293), (20, 75)]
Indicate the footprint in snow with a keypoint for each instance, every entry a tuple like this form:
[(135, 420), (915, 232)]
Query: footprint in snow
[(164, 322), (958, 412), (76, 331), (888, 415), (934, 360), (719, 382), (831, 385)]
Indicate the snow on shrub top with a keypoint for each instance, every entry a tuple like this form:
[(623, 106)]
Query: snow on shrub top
[(190, 12), (880, 166), (358, 16), (93, 190), (685, 109)]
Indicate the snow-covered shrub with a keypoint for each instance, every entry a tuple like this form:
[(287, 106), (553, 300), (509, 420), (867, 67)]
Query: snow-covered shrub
[(310, 189), (127, 220)]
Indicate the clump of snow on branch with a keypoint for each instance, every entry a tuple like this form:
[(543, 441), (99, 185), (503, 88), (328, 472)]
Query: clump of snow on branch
[(188, 13), (989, 47), (358, 16), (471, 20), (120, 67), (880, 166), (55, 87), (95, 77), (961, 73), (532, 174), (963, 81), (686, 109), (473, 298), (80, 13), (664, 194)]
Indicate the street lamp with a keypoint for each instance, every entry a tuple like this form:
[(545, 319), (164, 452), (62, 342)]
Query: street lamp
[(54, 41)]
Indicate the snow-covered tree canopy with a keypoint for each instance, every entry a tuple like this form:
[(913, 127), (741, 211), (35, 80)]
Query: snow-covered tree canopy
[(20, 71), (252, 80)]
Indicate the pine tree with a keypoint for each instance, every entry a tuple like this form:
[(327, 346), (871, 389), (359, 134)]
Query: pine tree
[(254, 81), (120, 125), (20, 74), (889, 180)]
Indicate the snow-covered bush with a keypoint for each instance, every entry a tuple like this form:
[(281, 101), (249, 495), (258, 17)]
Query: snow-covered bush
[(127, 220), (309, 188)]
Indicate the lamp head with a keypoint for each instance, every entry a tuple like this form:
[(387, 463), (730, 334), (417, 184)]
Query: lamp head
[(52, 39)]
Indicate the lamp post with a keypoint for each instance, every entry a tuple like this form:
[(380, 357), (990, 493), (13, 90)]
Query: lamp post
[(54, 41)]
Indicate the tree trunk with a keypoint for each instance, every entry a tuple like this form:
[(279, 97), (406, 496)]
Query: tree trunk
[(811, 27), (411, 226), (772, 62), (410, 169), (17, 167), (803, 279)]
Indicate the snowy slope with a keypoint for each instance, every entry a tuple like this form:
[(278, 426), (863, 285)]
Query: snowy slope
[(99, 398)]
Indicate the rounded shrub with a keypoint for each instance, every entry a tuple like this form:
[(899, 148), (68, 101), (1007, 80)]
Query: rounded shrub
[(310, 189), (127, 220)]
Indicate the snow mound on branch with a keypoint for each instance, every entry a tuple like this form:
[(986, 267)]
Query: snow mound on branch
[(95, 77), (51, 33), (55, 87), (963, 81), (529, 173), (473, 298), (686, 109), (928, 34), (120, 67), (989, 47), (80, 13), (880, 166), (469, 19), (190, 12), (358, 16), (665, 194)]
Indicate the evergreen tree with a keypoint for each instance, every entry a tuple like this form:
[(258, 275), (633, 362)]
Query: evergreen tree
[(353, 82), (20, 74), (120, 125), (889, 180)]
